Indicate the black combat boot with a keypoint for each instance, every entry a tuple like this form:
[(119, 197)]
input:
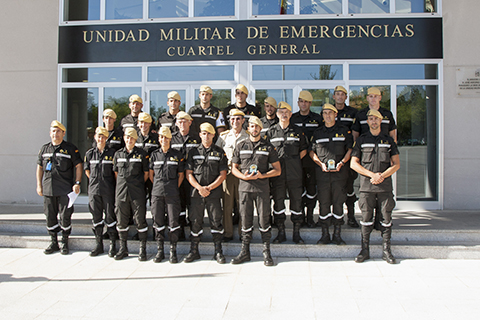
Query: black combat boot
[(337, 238), (267, 257), (309, 218), (113, 236), (365, 252), (64, 248), (219, 253), (123, 251), (142, 253), (351, 221), (296, 234), (98, 231), (387, 253), (244, 254), (193, 254), (173, 253), (325, 239), (281, 237), (53, 246), (160, 238)]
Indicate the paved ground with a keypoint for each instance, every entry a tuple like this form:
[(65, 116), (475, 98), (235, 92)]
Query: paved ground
[(37, 286)]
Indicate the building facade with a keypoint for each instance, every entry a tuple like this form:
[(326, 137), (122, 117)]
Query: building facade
[(71, 59)]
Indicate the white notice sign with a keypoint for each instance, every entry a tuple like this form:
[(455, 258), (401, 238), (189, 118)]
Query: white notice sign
[(468, 81)]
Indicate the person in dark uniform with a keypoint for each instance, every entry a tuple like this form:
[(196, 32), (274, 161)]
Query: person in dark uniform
[(308, 121), (130, 165), (388, 127), (98, 166), (331, 147), (168, 119), (376, 158), (270, 118), (205, 112), (241, 94), (130, 120), (291, 145), (346, 117), (115, 135), (251, 163), (184, 140), (59, 172), (167, 173), (206, 170)]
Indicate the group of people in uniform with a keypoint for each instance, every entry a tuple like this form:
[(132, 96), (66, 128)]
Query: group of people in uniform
[(226, 162)]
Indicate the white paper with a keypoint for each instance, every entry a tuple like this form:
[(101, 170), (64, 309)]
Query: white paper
[(72, 196)]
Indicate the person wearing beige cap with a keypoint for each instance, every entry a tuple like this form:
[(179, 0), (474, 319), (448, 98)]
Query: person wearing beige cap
[(98, 166), (206, 170), (376, 158), (228, 141), (346, 116), (241, 94), (168, 119), (331, 146), (59, 172), (184, 140), (270, 119), (206, 112), (291, 146), (251, 163), (166, 173), (130, 120), (115, 135), (130, 165), (308, 121)]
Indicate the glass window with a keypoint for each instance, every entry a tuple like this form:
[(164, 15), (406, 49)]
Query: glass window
[(368, 6), (320, 6), (417, 142), (277, 94), (393, 71), (191, 73), (270, 7), (208, 8), (123, 9), (415, 6), (82, 10), (117, 99), (128, 74), (221, 98), (297, 72), (158, 102), (358, 96), (167, 8)]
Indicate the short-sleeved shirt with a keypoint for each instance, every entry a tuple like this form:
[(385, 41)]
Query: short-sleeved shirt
[(249, 110), (166, 167), (61, 160), (332, 143), (168, 120), (261, 154), (360, 124), (211, 115), (228, 141), (308, 124), (148, 143), (346, 116), (102, 177), (185, 143), (206, 164), (375, 153), (267, 123), (114, 140), (130, 168), (288, 142)]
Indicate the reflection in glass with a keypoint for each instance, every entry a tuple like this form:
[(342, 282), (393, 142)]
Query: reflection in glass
[(277, 94), (393, 71), (368, 6), (320, 97), (158, 102), (221, 98), (297, 72), (82, 10), (358, 96), (123, 9), (81, 110), (167, 8), (117, 99), (415, 6), (320, 6), (128, 74), (208, 8), (270, 7), (417, 142), (191, 73)]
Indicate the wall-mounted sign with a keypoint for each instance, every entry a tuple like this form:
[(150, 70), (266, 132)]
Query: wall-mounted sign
[(468, 81), (412, 38)]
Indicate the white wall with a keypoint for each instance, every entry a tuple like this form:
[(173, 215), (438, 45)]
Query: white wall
[(28, 90)]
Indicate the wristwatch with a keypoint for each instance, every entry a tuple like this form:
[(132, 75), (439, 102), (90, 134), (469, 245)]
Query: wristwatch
[(77, 182)]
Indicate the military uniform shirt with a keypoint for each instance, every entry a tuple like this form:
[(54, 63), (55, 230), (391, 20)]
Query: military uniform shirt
[(308, 124), (249, 110), (388, 122), (346, 116), (166, 167), (114, 140), (228, 141), (211, 115), (131, 121), (167, 120), (102, 177), (131, 168), (148, 143), (267, 123), (185, 143), (206, 165), (375, 153), (63, 158)]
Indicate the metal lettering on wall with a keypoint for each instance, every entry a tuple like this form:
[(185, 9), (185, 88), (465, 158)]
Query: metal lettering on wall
[(406, 38)]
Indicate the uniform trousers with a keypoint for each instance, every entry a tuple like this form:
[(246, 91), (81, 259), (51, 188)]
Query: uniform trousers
[(352, 175), (230, 197), (382, 201), (280, 186), (170, 206), (124, 210), (185, 191), (247, 202), (58, 206), (99, 204), (215, 215), (331, 193), (310, 188)]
